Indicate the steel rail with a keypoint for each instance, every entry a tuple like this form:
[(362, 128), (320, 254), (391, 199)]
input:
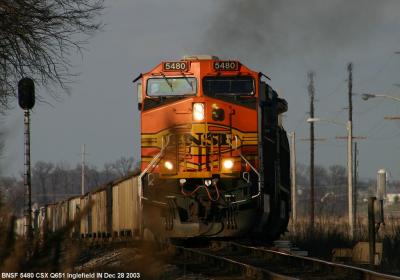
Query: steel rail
[(225, 264), (291, 259)]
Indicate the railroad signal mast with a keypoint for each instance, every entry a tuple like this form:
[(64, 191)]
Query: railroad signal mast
[(26, 100)]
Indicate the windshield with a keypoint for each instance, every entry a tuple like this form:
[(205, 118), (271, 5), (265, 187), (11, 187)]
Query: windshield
[(176, 86), (236, 85)]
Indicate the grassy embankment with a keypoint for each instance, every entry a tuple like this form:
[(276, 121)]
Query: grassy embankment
[(329, 233)]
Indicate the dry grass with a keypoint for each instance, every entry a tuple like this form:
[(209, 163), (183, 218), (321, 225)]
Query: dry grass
[(145, 258), (319, 240), (390, 237), (53, 253), (58, 252), (329, 233)]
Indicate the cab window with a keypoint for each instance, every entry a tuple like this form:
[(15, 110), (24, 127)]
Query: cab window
[(176, 86), (233, 89), (236, 85), (165, 90)]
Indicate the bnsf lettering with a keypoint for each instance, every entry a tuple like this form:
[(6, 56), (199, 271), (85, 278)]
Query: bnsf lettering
[(208, 139), (194, 139), (9, 275)]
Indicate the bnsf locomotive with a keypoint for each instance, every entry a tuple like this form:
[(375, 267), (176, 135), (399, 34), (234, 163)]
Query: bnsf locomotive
[(214, 161), (214, 154)]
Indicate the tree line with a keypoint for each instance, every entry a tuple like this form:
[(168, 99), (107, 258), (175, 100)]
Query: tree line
[(331, 191), (53, 182)]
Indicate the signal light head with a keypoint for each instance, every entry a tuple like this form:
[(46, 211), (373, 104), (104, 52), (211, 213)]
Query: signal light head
[(26, 93), (198, 111)]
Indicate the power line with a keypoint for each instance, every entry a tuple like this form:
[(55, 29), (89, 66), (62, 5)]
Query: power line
[(378, 72)]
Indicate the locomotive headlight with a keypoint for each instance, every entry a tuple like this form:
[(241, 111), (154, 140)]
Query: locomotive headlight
[(168, 165), (198, 111), (227, 163)]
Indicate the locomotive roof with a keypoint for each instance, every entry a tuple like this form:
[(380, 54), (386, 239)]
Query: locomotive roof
[(204, 62)]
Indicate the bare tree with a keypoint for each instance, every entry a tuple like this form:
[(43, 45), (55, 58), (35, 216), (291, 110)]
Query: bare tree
[(41, 172), (108, 173), (37, 37), (13, 194), (123, 165), (338, 175)]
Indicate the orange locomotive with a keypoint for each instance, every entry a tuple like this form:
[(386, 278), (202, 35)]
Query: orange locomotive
[(215, 157)]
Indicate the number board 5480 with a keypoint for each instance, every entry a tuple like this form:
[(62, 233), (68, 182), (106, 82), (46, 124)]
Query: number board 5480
[(175, 66), (226, 65)]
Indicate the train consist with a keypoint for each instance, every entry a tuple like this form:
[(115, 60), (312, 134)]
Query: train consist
[(214, 160), (109, 212)]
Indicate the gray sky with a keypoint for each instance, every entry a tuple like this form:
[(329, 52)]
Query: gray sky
[(283, 39)]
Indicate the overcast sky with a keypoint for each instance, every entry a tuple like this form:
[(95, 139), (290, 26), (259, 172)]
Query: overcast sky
[(284, 39)]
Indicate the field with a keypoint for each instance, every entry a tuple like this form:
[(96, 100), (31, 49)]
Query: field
[(58, 253), (329, 233)]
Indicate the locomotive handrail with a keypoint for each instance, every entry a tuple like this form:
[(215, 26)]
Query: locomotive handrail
[(140, 186), (151, 165), (236, 142), (252, 167)]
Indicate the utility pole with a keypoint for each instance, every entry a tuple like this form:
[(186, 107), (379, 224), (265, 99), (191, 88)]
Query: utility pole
[(293, 172), (83, 169), (355, 181), (355, 174), (311, 92), (350, 152)]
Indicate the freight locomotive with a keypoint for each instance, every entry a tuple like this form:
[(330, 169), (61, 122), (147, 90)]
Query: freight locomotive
[(214, 160)]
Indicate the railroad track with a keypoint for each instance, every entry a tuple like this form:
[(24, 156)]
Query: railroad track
[(231, 260)]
